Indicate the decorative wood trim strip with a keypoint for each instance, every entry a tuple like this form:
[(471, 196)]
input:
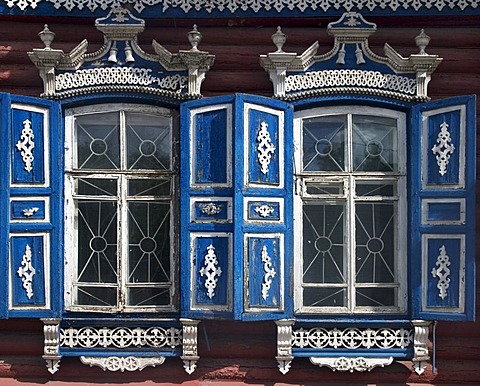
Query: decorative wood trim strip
[(351, 364), (129, 363)]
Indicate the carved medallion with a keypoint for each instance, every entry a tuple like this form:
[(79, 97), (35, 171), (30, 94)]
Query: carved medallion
[(442, 272), (265, 147), (443, 149), (25, 145), (26, 271), (211, 271)]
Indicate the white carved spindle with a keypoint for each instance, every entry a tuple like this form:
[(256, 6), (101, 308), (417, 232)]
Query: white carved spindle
[(211, 271), (443, 149), (269, 272), (26, 145), (129, 363), (189, 344), (51, 345), (26, 271), (420, 345), (284, 344), (265, 147), (442, 272)]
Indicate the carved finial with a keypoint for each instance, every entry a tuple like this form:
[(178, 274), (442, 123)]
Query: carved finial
[(194, 37), (279, 39), (422, 41), (47, 37)]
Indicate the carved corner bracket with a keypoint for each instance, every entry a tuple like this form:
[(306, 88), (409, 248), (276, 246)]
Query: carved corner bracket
[(420, 345), (189, 344)]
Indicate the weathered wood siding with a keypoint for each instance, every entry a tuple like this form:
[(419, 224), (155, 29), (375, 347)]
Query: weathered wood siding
[(245, 352)]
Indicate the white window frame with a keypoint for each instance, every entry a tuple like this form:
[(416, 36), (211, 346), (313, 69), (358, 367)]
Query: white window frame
[(122, 233), (348, 179)]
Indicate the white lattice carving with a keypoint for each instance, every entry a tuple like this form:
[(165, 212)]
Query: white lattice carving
[(29, 212), (350, 78), (129, 363), (120, 337), (264, 210), (255, 6), (265, 147), (118, 76), (26, 271), (26, 145), (211, 271), (360, 364), (442, 272), (211, 209), (353, 338), (269, 272), (443, 149)]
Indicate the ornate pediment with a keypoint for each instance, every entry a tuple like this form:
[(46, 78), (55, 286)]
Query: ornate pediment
[(350, 67), (121, 65)]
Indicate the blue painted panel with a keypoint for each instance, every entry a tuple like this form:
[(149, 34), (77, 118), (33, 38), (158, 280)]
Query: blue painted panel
[(215, 210), (451, 173), (211, 270), (27, 169), (27, 266), (31, 210), (443, 211), (450, 251), (264, 148), (264, 211), (264, 272), (210, 147)]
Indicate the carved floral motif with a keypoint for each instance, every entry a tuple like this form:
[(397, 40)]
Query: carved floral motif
[(443, 149), (442, 272), (211, 271), (29, 212), (265, 147), (129, 363), (269, 272), (26, 145), (211, 209), (360, 364), (26, 271), (264, 210)]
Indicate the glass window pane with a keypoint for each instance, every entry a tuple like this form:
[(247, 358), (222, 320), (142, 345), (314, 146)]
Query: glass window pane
[(97, 242), (376, 297), (97, 296), (323, 246), (374, 143), (324, 297), (148, 296), (375, 243), (158, 187), (324, 188), (96, 186), (324, 143), (149, 142), (98, 141), (376, 188)]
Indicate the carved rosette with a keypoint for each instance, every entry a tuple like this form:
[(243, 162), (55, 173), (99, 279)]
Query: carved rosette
[(26, 145), (211, 271), (351, 364), (443, 149), (269, 272), (264, 210), (129, 363), (265, 147), (211, 209), (26, 271), (442, 272)]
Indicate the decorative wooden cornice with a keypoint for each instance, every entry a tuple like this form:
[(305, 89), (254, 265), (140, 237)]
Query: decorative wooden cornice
[(350, 66), (120, 65)]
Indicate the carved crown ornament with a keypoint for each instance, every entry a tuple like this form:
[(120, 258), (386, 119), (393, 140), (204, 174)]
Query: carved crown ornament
[(121, 65), (350, 67)]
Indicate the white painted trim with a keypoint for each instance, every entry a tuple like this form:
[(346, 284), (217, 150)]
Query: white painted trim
[(280, 150), (427, 272), (194, 272), (280, 272), (46, 272), (228, 145), (426, 148), (427, 201), (46, 144)]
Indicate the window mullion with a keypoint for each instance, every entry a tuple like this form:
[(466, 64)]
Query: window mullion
[(122, 242), (350, 242)]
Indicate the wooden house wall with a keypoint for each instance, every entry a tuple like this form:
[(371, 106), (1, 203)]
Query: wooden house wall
[(234, 352)]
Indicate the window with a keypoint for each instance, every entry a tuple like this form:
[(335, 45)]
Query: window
[(120, 189), (351, 210)]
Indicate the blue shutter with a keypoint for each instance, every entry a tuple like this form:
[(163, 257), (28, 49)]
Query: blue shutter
[(442, 209), (236, 191), (31, 207)]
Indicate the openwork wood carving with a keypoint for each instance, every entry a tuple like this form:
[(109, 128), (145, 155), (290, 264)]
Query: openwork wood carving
[(26, 271), (360, 364), (269, 272), (443, 149), (264, 210), (26, 145), (129, 363), (265, 147), (211, 271), (442, 272)]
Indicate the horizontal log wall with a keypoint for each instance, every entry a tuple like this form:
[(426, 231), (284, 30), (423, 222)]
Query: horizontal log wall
[(245, 352)]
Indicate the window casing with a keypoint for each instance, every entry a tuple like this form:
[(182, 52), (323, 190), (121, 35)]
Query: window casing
[(350, 211), (120, 184)]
